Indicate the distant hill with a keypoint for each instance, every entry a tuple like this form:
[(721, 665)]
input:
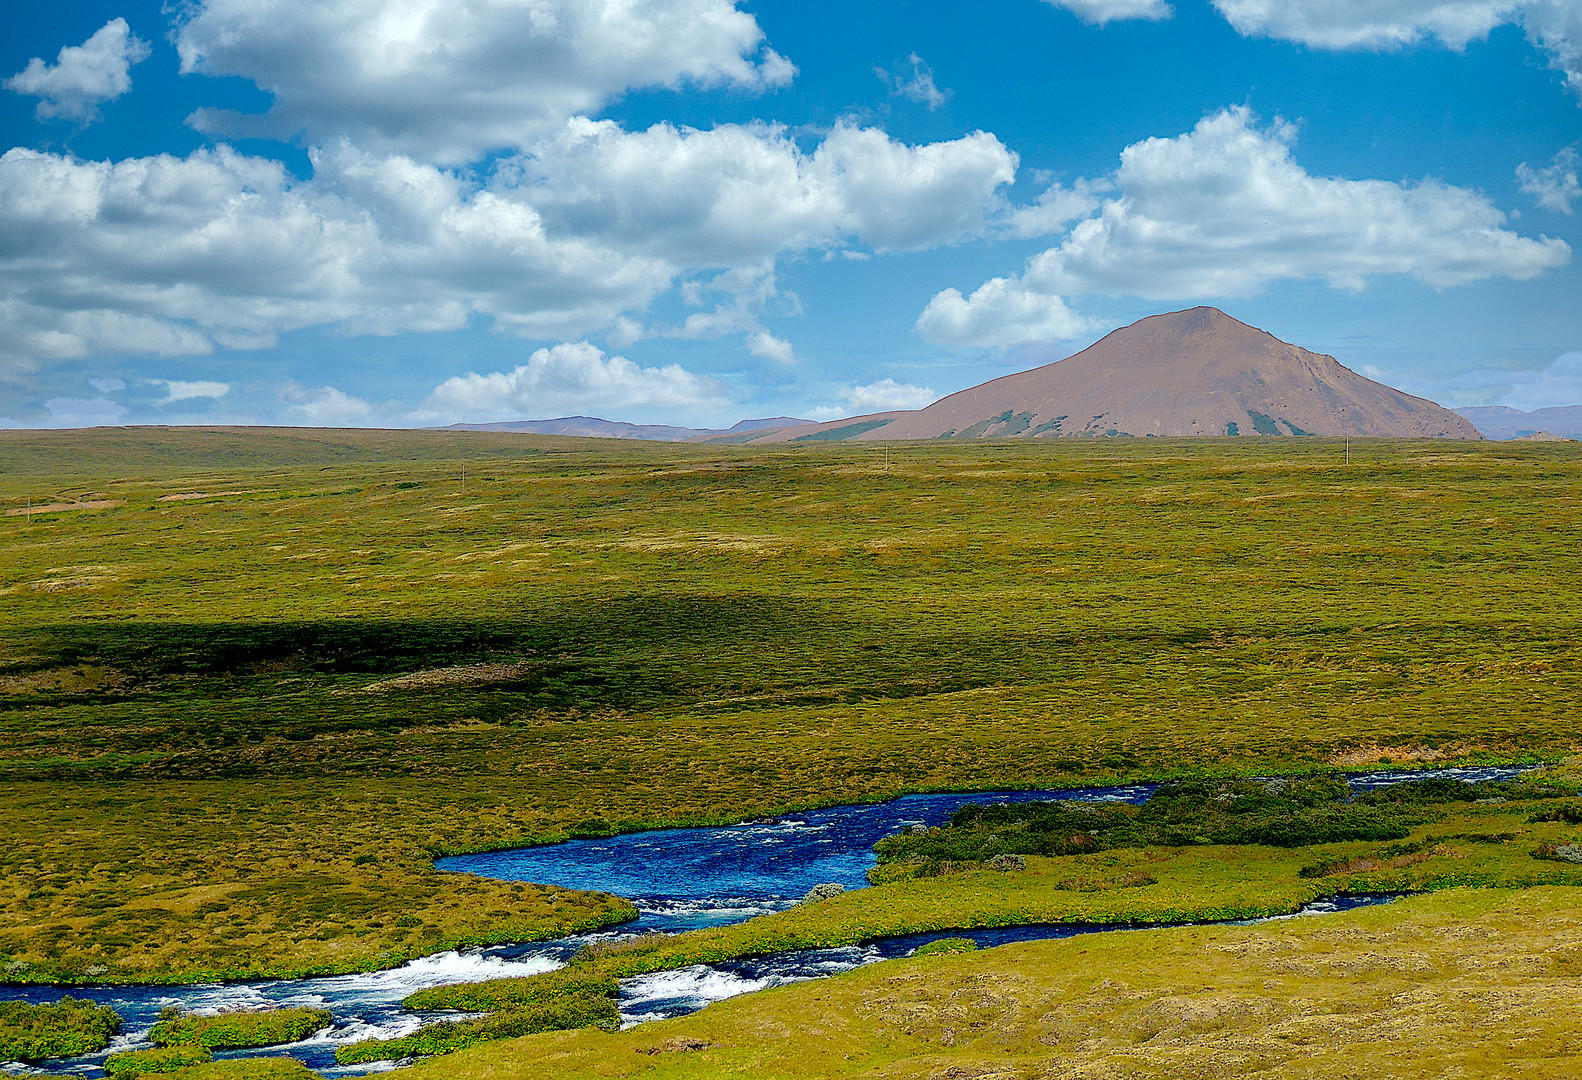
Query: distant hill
[(1194, 372), (595, 428), (1500, 422)]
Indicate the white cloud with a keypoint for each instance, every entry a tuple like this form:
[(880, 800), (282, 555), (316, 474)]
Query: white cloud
[(1554, 26), (1055, 208), (766, 346), (741, 193), (324, 404), (1555, 186), (1103, 11), (107, 386), (887, 395), (913, 80), (446, 80), (999, 312), (1224, 210), (1559, 383), (163, 255), (83, 412), (83, 76), (174, 255), (176, 390), (572, 378)]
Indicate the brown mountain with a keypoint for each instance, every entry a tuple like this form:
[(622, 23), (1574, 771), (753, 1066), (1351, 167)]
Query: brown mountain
[(1195, 372)]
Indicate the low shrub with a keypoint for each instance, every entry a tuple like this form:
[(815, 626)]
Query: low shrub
[(239, 1030), (65, 1029), (945, 946), (449, 1036), (161, 1059), (498, 994)]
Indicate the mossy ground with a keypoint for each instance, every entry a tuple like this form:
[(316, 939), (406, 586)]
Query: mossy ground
[(207, 769)]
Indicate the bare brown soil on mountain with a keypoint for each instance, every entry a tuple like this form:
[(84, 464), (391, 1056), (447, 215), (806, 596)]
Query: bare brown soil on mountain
[(1194, 372)]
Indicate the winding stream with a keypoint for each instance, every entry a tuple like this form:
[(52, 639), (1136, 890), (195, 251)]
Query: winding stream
[(680, 879)]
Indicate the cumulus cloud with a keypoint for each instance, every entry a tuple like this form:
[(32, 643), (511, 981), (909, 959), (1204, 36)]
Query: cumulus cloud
[(107, 386), (446, 80), (739, 193), (569, 378), (1558, 383), (324, 404), (167, 255), (174, 255), (1555, 186), (84, 76), (1225, 210), (766, 346), (913, 80), (999, 312), (1554, 26), (887, 394), (1100, 12), (1055, 208)]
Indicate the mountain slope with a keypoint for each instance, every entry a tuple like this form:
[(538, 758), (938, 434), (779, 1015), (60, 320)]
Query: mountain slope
[(1194, 372)]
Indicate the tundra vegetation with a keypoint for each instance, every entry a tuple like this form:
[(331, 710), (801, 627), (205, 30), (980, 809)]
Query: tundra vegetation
[(64, 1029), (251, 682), (237, 1030)]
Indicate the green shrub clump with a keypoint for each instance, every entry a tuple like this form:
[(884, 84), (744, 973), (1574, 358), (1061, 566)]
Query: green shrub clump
[(1283, 812), (495, 995), (65, 1029), (945, 946), (238, 1030), (449, 1036), (161, 1059)]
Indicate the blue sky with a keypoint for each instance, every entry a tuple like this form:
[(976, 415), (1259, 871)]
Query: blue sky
[(415, 212)]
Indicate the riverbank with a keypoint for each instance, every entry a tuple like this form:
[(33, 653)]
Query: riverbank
[(1470, 982)]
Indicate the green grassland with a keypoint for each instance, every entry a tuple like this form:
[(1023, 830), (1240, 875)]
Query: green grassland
[(236, 726)]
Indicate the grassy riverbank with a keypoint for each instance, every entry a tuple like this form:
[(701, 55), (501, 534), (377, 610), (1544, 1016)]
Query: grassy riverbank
[(1470, 982), (254, 681), (1452, 842)]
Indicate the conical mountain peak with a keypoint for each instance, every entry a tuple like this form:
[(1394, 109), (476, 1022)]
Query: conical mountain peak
[(1192, 372)]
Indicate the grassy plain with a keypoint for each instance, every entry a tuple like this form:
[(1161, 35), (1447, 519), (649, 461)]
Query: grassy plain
[(244, 703)]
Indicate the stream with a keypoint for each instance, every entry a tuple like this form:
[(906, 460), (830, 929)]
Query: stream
[(680, 879)]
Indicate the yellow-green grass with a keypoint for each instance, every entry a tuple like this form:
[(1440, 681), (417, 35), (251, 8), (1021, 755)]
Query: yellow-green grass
[(276, 1068), (1467, 983), (207, 766), (239, 1030)]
